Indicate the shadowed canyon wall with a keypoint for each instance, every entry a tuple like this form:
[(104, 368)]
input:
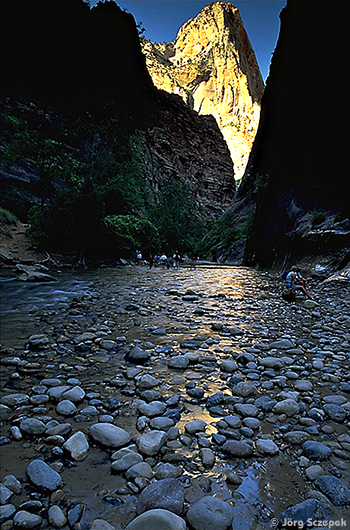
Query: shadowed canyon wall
[(296, 180), (72, 58)]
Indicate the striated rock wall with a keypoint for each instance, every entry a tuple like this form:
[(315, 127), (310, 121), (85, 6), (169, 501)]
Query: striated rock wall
[(181, 146), (212, 66)]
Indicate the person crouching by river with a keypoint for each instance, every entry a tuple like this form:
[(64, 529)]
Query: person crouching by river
[(296, 282)]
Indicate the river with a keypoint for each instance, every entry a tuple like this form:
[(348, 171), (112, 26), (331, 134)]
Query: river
[(234, 315)]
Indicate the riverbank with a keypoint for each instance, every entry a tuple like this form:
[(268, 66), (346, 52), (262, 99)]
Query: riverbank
[(193, 391)]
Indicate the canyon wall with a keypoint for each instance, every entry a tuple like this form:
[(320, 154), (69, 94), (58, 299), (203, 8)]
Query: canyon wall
[(296, 180), (212, 66)]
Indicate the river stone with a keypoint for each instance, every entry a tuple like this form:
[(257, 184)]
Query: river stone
[(167, 470), (335, 412), (282, 344), (137, 355), (237, 448), (246, 409), (83, 337), (75, 394), (157, 519), (336, 491), (5, 494), (244, 389), (207, 457), (32, 426), (6, 512), (296, 437), (266, 447), (167, 494), (310, 509), (24, 519), (141, 469), (303, 385), (56, 516), (287, 406), (155, 408), (210, 513), (15, 400), (161, 423), (77, 445), (12, 484), (37, 342), (271, 362), (147, 381), (228, 366), (43, 476), (195, 426), (313, 472), (109, 435), (180, 362), (316, 450), (66, 408), (150, 443), (126, 461), (101, 524), (56, 392)]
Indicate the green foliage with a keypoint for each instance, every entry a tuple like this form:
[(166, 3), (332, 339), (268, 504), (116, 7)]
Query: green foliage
[(224, 234), (85, 169), (177, 218), (126, 233), (6, 218)]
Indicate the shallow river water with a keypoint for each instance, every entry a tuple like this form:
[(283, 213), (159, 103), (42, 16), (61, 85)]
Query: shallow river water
[(230, 314)]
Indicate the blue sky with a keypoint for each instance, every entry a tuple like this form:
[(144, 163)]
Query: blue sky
[(163, 18)]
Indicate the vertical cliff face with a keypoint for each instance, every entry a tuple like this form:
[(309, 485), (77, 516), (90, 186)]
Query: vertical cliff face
[(296, 179), (97, 70), (212, 66)]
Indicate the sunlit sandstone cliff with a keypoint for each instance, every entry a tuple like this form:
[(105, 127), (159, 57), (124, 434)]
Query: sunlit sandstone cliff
[(212, 66)]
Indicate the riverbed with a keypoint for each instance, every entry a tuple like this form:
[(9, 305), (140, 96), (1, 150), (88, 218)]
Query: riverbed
[(223, 350)]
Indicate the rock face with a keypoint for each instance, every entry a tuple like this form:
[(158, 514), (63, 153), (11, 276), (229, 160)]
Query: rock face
[(212, 66), (175, 143), (295, 180)]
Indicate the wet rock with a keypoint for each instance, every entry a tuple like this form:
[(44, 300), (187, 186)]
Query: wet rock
[(32, 426), (156, 519), (126, 461), (296, 437), (195, 426), (266, 447), (210, 513), (56, 516), (101, 524), (207, 457), (137, 356), (75, 514), (311, 509), (335, 412), (147, 381), (66, 408), (24, 519), (167, 470), (38, 342), (15, 400), (109, 435), (312, 472), (43, 476), (150, 443), (246, 409), (237, 448), (6, 512), (141, 469), (336, 491), (161, 423), (167, 494), (75, 394), (316, 450), (12, 484), (155, 408), (244, 389), (5, 494), (288, 406), (179, 362), (77, 445)]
